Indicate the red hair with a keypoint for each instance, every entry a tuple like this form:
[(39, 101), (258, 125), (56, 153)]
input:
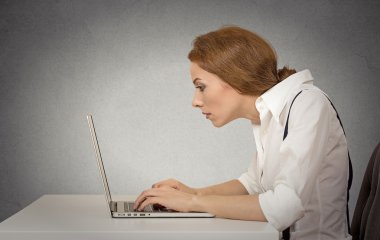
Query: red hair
[(240, 58)]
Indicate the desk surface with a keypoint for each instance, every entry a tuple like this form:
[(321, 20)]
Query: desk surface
[(86, 217)]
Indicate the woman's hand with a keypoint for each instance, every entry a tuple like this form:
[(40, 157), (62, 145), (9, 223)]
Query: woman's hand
[(166, 196), (173, 183), (176, 196)]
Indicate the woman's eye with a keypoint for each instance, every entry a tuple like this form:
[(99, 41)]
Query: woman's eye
[(201, 88)]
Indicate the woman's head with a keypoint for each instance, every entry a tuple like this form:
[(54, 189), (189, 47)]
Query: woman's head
[(218, 101), (240, 58), (230, 68)]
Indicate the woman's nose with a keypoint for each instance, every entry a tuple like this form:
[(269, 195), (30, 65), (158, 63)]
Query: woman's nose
[(196, 101)]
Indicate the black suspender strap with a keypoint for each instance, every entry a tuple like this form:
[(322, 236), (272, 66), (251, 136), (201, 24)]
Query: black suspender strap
[(287, 119), (350, 174), (286, 232)]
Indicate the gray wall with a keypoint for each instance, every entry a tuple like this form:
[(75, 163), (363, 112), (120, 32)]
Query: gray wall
[(125, 62)]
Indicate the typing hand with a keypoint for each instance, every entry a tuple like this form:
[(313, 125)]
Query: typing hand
[(173, 183), (166, 197)]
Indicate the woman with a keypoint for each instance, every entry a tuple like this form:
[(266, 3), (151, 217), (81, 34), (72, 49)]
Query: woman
[(298, 177)]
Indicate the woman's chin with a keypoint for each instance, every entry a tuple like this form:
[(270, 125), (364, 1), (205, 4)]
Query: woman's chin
[(219, 124)]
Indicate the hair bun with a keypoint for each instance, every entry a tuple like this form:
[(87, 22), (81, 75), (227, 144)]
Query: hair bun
[(285, 72)]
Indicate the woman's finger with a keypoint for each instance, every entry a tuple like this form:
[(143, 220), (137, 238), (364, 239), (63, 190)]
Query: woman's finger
[(148, 201), (139, 199), (168, 182), (153, 192), (142, 197)]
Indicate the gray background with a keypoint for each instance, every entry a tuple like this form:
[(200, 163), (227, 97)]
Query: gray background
[(125, 62)]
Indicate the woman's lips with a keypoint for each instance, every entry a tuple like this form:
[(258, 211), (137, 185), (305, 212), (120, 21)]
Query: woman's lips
[(207, 115)]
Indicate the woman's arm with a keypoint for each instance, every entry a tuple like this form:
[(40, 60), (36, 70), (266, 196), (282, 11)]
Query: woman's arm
[(232, 187), (243, 207)]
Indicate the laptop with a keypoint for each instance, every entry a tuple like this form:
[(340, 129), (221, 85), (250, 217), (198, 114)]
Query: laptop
[(124, 209)]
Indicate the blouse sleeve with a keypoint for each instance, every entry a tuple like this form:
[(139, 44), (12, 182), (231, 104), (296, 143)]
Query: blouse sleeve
[(249, 179)]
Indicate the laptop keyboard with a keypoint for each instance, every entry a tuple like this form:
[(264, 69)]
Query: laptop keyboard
[(129, 207)]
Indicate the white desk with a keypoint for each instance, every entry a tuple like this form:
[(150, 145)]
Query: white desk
[(86, 217)]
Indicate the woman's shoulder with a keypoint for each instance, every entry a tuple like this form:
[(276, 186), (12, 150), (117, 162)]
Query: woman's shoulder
[(310, 97), (311, 93)]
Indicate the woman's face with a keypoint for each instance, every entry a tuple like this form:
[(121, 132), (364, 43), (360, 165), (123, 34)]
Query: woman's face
[(218, 101)]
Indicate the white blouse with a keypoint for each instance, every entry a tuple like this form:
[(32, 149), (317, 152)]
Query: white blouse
[(302, 180)]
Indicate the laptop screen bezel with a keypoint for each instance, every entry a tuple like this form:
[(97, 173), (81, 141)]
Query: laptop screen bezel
[(100, 161)]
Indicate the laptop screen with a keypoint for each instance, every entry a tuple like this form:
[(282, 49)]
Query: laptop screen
[(99, 159)]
